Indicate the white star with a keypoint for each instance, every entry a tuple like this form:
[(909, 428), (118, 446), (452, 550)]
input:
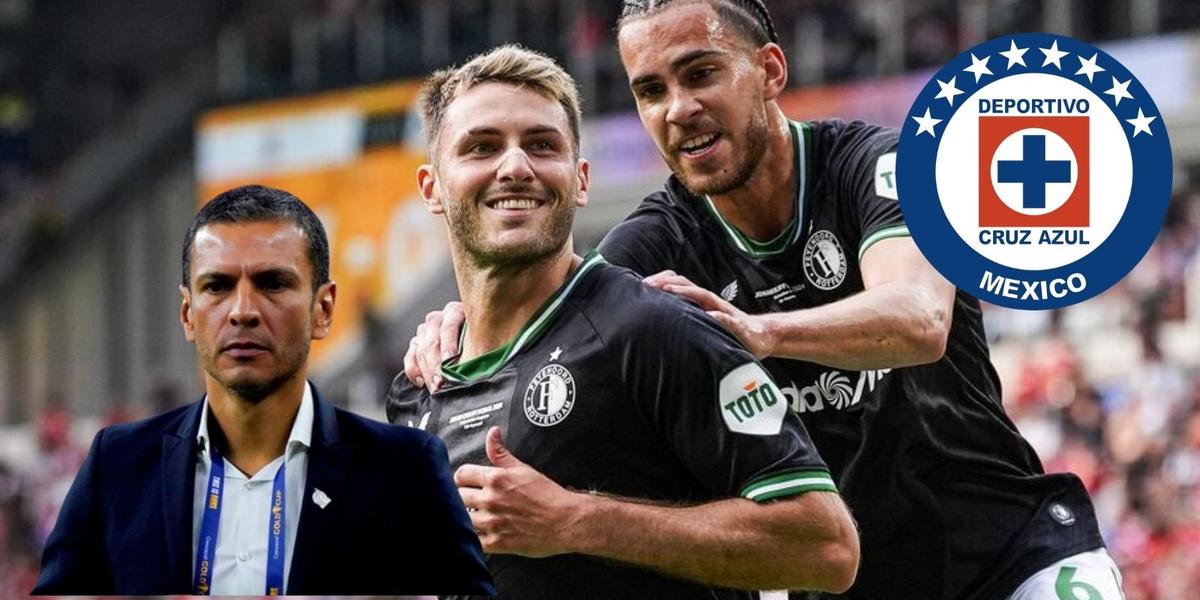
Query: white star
[(557, 353), (1053, 55), (1141, 123), (979, 67), (1119, 90), (1015, 55), (1088, 67), (948, 90), (926, 123)]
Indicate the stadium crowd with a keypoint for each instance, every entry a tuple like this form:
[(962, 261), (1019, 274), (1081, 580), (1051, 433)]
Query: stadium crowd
[(54, 97)]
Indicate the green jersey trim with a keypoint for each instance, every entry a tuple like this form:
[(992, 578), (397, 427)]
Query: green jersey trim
[(801, 146), (788, 484), (890, 231), (488, 363)]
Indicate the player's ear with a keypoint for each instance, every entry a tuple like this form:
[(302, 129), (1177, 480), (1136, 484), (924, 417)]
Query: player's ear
[(583, 172), (775, 69), (185, 313), (427, 184), (323, 310)]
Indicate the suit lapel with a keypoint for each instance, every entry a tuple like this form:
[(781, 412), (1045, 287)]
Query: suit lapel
[(178, 478), (328, 469)]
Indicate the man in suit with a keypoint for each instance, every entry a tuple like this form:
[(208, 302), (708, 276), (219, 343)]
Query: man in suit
[(261, 487)]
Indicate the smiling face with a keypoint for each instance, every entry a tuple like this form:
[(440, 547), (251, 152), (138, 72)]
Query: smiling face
[(505, 175), (699, 88), (250, 308)]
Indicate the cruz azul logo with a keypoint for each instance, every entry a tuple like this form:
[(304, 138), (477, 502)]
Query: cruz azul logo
[(1034, 171), (1015, 147)]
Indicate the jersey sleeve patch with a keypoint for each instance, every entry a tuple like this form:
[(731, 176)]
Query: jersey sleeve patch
[(885, 176), (788, 484), (750, 402)]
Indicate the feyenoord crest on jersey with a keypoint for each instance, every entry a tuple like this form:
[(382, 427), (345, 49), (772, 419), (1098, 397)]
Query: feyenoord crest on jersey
[(549, 396), (824, 261), (1034, 171)]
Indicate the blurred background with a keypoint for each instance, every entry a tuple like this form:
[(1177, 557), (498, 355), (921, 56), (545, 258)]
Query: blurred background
[(118, 118)]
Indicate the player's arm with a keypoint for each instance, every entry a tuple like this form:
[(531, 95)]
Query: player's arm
[(901, 318), (802, 542), (798, 542)]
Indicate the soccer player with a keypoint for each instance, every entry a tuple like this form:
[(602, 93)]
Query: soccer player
[(790, 235), (645, 453)]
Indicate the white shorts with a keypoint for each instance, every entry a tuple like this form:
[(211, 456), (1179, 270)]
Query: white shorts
[(1088, 575)]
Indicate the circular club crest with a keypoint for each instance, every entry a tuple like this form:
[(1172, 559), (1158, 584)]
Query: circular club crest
[(824, 261), (1062, 514), (1034, 171), (550, 396)]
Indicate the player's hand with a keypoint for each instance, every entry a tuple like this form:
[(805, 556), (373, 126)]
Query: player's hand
[(754, 331), (436, 340), (514, 508)]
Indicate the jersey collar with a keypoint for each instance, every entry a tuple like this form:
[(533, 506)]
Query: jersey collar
[(801, 147), (488, 363)]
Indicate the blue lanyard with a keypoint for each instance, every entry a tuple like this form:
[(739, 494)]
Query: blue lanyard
[(206, 549), (275, 541)]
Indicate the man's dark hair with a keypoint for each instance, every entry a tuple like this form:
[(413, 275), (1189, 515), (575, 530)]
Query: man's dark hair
[(748, 17), (254, 203)]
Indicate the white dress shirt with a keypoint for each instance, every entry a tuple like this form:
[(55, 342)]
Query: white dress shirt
[(240, 566)]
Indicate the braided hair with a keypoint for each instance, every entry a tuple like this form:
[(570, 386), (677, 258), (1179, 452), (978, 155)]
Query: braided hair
[(748, 16)]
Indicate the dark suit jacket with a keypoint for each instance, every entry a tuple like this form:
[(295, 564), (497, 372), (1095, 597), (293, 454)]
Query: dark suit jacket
[(395, 525)]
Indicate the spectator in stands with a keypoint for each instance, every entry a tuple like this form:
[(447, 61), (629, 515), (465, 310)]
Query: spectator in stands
[(18, 567), (16, 118)]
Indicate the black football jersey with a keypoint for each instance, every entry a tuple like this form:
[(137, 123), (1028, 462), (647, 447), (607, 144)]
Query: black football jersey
[(616, 388), (950, 499)]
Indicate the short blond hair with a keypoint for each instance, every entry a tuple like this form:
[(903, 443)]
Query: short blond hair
[(510, 64)]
